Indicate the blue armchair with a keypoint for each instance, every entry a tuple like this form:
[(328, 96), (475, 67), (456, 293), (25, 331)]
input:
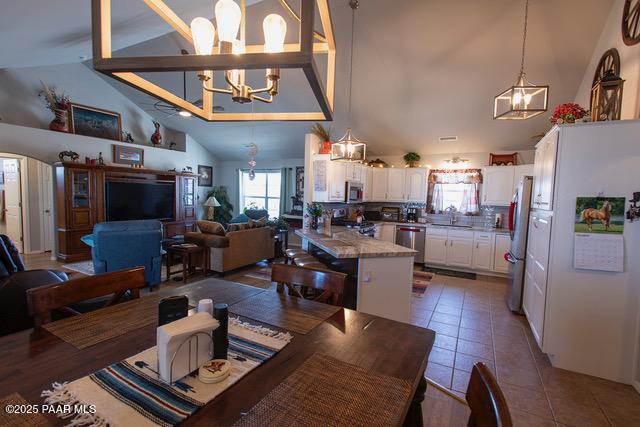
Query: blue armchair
[(118, 245)]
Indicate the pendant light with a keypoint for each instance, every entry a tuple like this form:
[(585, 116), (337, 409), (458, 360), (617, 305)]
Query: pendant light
[(349, 147), (523, 100)]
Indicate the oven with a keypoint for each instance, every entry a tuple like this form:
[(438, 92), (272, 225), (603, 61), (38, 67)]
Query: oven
[(354, 192)]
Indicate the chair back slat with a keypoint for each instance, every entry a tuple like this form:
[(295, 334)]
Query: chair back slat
[(486, 401), (45, 299), (330, 283)]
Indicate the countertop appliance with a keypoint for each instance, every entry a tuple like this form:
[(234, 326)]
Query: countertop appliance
[(390, 213), (413, 238), (355, 192), (518, 230), (412, 214)]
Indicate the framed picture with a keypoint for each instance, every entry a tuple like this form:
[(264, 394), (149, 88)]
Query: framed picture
[(126, 155), (600, 215), (95, 122), (205, 176)]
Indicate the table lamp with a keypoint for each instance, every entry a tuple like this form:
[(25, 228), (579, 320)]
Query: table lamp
[(211, 204)]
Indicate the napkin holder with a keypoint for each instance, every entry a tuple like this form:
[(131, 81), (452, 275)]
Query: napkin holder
[(184, 346)]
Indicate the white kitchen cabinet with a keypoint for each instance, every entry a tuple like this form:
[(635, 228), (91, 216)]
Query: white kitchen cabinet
[(367, 181), (353, 172), (337, 181), (395, 185), (416, 185), (502, 246), (435, 249), (519, 172), (388, 233), (460, 249), (379, 185), (497, 185), (482, 251), (536, 266), (544, 171)]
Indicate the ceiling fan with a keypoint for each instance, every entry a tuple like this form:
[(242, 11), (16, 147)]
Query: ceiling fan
[(171, 110)]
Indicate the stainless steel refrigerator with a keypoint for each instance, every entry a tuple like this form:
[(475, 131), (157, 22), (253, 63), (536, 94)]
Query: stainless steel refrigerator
[(518, 223)]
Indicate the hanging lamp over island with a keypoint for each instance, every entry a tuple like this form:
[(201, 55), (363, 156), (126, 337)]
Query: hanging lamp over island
[(349, 147), (524, 99)]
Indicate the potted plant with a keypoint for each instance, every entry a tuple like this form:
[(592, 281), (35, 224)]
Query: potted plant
[(568, 113), (325, 137), (224, 212), (412, 160), (315, 211), (58, 104)]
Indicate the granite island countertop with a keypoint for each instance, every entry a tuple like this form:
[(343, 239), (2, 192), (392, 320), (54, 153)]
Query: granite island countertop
[(447, 227), (346, 243)]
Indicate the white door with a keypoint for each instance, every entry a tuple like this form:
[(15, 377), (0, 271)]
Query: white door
[(367, 180), (396, 182), (47, 206), (379, 187), (497, 185), (337, 181), (548, 171), (502, 246), (416, 183), (537, 176), (13, 201), (483, 253), (435, 249), (460, 252)]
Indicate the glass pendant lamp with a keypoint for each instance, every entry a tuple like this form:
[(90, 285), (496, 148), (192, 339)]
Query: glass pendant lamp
[(524, 99)]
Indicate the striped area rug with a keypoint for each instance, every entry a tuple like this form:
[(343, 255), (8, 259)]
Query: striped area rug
[(421, 281)]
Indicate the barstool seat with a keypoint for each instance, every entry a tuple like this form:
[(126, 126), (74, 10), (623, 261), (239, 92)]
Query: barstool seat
[(292, 253), (312, 262)]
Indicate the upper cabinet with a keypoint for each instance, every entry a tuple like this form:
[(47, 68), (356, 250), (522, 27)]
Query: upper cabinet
[(329, 179), (520, 171), (395, 185), (367, 181), (353, 172), (416, 185), (497, 185), (544, 171), (378, 185)]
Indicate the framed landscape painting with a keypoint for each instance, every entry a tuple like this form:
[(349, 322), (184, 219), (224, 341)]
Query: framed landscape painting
[(94, 122), (205, 176), (126, 155), (599, 214)]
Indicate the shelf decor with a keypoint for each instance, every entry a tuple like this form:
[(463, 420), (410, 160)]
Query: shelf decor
[(232, 57), (568, 113), (127, 155), (606, 92), (523, 100), (630, 19), (94, 122)]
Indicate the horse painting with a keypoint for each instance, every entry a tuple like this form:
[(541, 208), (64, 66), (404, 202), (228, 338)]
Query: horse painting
[(603, 215)]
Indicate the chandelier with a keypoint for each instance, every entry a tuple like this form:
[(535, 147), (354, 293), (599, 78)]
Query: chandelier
[(349, 147), (523, 100), (232, 56)]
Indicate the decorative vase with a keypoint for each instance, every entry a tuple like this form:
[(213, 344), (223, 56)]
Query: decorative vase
[(60, 122), (314, 222), (156, 138), (325, 147), (413, 164)]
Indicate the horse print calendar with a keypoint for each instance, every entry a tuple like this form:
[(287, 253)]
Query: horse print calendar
[(600, 215)]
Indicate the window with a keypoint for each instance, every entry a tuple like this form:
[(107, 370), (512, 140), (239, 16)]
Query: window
[(452, 195), (457, 188), (261, 193)]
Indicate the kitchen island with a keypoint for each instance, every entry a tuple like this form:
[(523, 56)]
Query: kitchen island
[(380, 274)]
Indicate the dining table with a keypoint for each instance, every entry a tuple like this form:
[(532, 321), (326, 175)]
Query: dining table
[(34, 359)]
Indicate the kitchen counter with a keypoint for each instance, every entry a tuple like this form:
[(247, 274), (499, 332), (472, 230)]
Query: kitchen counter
[(446, 227), (347, 243)]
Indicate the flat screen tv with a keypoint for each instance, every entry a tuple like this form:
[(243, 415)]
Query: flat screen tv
[(139, 200)]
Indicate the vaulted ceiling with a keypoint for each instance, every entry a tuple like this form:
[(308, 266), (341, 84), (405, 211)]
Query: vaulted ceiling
[(422, 68)]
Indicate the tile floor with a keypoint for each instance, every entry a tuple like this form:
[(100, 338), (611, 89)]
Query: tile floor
[(473, 324)]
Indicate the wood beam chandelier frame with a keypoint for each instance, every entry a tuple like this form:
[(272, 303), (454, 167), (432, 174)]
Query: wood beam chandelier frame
[(295, 56)]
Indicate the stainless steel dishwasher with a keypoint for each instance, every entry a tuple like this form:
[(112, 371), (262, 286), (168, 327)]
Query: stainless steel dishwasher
[(411, 237)]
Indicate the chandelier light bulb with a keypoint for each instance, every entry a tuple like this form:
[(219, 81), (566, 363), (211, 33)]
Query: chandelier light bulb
[(184, 113), (203, 33), (517, 98), (228, 17), (275, 29), (527, 99)]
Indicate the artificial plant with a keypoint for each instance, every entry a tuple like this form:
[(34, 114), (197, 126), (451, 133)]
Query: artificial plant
[(224, 212)]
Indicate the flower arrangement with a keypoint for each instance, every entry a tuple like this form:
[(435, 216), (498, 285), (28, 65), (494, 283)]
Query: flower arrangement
[(54, 100), (568, 113), (315, 211), (412, 159), (324, 135)]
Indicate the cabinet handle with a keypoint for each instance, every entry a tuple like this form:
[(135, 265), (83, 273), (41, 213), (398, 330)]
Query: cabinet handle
[(477, 243)]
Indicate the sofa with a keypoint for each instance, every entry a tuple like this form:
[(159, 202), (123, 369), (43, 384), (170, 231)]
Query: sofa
[(240, 245), (118, 245), (14, 282)]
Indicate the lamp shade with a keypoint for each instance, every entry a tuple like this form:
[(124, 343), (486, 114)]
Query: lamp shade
[(521, 101), (212, 202)]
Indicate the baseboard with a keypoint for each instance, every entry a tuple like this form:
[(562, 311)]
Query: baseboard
[(469, 270)]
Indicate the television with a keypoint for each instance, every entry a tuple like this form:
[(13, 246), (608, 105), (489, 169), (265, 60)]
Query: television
[(127, 200)]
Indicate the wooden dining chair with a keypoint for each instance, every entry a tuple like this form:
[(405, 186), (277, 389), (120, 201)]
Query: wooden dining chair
[(485, 399), (326, 285), (42, 301)]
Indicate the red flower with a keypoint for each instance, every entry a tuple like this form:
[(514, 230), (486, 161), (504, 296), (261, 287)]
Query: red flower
[(567, 113)]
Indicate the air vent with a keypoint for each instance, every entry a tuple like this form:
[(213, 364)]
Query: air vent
[(448, 139)]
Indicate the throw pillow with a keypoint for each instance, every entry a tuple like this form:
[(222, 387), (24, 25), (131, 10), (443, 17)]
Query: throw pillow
[(256, 213), (211, 227), (258, 223), (239, 219)]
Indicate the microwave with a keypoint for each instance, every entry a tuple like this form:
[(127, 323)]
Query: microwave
[(354, 193)]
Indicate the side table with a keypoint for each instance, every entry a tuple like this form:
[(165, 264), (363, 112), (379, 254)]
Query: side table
[(187, 252)]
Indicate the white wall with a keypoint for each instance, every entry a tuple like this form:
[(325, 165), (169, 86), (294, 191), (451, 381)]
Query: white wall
[(611, 36), (227, 174)]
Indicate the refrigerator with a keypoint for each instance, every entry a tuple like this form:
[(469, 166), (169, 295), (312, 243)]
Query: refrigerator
[(518, 223)]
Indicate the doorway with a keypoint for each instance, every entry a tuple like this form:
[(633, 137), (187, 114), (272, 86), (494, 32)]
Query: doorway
[(26, 203)]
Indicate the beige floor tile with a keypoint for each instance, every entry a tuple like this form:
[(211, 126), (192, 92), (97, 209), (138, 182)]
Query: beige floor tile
[(483, 337), (442, 356), (525, 419), (449, 319), (524, 378), (577, 410), (443, 328), (440, 374), (475, 349), (447, 309), (460, 380), (477, 324), (532, 402), (465, 362), (446, 342)]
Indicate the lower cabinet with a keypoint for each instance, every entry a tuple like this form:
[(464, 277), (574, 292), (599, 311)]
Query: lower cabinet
[(482, 251), (386, 232), (435, 249), (460, 252), (503, 243)]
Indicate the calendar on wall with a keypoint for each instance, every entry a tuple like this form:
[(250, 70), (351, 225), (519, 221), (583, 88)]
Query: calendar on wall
[(604, 252)]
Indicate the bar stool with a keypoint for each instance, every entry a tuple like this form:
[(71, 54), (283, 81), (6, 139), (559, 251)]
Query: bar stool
[(290, 254), (309, 262)]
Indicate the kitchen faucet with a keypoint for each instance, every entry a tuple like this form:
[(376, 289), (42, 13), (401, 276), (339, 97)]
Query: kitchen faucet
[(452, 212)]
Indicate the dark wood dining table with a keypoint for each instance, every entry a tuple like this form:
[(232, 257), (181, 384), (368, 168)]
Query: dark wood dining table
[(32, 360)]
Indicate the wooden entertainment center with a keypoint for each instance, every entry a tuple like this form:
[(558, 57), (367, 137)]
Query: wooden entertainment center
[(80, 202)]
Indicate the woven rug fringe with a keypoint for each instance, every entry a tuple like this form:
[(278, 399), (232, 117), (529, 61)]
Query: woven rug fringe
[(284, 336), (59, 395)]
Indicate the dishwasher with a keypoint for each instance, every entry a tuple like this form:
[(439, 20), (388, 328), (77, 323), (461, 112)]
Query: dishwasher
[(413, 238)]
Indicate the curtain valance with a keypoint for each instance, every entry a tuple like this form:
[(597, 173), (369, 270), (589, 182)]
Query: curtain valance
[(455, 176)]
